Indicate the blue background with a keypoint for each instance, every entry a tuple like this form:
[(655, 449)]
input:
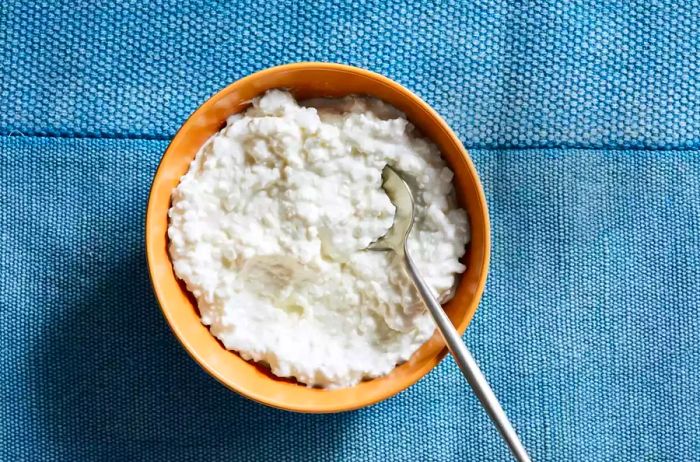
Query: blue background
[(583, 121)]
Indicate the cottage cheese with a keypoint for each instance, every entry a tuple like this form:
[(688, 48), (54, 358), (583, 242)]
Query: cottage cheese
[(268, 230)]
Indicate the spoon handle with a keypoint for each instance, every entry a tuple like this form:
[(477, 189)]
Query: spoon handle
[(468, 365)]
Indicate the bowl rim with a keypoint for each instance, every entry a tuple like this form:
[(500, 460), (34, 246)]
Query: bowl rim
[(151, 258)]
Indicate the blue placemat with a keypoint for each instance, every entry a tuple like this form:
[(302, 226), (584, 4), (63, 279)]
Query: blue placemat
[(589, 328), (536, 74)]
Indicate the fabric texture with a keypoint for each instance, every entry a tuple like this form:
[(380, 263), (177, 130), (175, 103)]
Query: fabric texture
[(582, 119), (520, 74)]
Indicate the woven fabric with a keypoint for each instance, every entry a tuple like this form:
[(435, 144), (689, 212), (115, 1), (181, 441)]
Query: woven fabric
[(589, 329), (575, 73)]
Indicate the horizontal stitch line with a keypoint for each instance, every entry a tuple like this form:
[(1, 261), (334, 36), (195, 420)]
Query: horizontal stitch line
[(582, 147), (88, 136)]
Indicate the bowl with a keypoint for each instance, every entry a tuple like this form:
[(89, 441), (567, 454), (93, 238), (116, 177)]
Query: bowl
[(308, 80)]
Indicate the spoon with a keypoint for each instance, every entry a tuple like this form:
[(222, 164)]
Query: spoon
[(395, 240)]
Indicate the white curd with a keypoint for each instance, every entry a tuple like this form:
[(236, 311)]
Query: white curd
[(268, 230)]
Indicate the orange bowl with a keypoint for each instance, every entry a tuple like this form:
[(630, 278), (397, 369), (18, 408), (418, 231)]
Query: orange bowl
[(308, 80)]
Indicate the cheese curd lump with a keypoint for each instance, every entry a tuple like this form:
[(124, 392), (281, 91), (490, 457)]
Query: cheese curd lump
[(269, 230)]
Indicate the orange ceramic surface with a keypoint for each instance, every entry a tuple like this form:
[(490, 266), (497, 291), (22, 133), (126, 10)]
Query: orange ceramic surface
[(306, 80)]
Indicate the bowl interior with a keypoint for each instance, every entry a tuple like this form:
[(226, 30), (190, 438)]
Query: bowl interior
[(308, 80)]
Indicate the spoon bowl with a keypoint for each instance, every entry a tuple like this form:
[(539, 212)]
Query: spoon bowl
[(400, 195)]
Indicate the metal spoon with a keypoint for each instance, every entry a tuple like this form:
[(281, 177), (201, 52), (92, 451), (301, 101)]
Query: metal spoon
[(395, 240)]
